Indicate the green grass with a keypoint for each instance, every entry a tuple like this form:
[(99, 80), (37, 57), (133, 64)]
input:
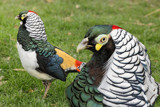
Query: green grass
[(66, 22)]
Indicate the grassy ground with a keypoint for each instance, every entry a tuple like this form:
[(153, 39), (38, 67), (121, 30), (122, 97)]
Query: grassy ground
[(66, 22)]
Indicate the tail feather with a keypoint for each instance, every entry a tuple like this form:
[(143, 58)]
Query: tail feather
[(79, 65), (69, 63)]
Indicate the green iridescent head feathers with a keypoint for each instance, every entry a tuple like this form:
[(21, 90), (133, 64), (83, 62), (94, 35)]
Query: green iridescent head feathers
[(95, 38)]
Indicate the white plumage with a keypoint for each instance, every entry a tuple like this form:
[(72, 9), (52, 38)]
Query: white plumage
[(35, 26), (29, 62), (127, 80)]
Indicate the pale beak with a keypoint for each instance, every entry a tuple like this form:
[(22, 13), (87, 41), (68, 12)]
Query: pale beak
[(83, 44), (17, 17)]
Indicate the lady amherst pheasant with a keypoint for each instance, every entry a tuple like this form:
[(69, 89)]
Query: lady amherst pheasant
[(118, 74), (38, 57)]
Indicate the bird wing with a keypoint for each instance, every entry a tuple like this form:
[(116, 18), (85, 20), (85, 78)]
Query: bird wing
[(128, 80), (49, 62), (55, 61)]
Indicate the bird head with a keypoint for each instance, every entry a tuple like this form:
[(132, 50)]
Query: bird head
[(97, 38), (22, 16), (32, 22)]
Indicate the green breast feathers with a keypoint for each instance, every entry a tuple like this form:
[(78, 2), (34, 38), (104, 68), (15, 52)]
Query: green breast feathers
[(83, 93)]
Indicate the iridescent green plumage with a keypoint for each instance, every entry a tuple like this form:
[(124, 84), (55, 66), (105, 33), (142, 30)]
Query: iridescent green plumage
[(96, 30), (83, 92), (42, 47)]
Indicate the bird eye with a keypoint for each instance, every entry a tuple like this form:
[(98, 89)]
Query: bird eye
[(102, 40)]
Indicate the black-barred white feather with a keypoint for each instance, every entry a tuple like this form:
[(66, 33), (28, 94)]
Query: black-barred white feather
[(127, 80), (35, 26)]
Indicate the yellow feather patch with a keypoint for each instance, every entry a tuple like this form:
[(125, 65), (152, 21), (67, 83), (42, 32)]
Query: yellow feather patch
[(68, 61)]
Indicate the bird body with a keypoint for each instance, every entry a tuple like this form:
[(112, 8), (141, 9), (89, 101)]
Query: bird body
[(38, 57), (119, 71), (29, 62)]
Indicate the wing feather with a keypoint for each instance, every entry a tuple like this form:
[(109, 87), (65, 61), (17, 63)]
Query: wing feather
[(50, 63)]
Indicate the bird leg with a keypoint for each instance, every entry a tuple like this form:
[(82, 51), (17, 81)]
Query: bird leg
[(47, 84)]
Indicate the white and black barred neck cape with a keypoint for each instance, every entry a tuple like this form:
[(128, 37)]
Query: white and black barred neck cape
[(127, 80), (35, 26)]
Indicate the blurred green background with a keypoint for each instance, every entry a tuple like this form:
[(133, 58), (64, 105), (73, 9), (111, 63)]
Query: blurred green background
[(66, 22)]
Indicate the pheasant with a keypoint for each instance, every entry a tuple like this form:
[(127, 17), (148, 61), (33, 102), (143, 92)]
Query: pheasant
[(118, 74), (38, 57)]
